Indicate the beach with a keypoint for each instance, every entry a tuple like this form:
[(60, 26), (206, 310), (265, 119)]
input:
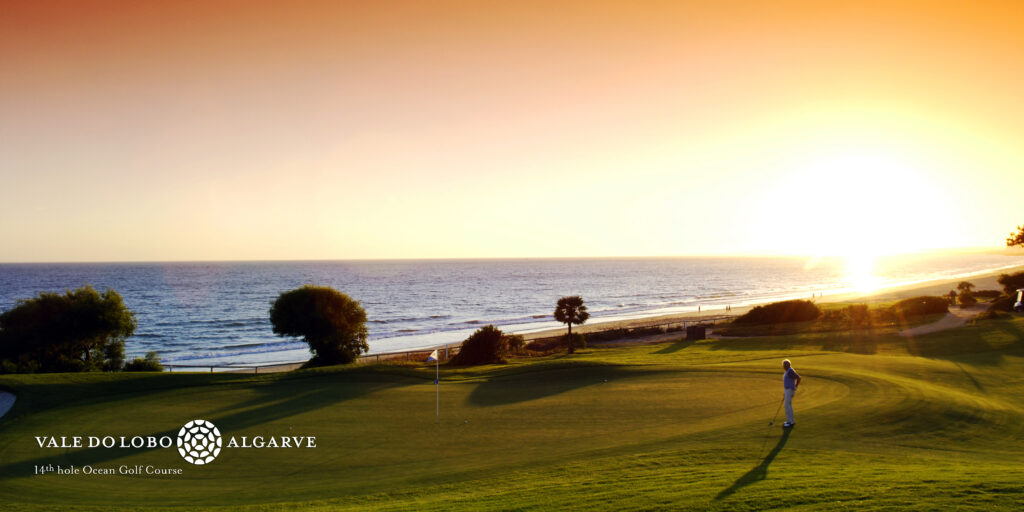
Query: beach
[(983, 281)]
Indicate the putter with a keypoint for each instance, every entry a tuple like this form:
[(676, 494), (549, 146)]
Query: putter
[(770, 423)]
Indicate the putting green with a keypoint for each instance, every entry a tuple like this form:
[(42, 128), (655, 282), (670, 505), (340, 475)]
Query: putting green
[(643, 427)]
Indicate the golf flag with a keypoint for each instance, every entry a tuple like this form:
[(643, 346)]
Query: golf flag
[(437, 378)]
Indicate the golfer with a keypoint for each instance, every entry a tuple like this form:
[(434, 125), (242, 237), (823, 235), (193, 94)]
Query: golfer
[(790, 380)]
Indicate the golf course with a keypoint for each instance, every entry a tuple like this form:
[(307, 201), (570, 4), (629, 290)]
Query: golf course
[(884, 422)]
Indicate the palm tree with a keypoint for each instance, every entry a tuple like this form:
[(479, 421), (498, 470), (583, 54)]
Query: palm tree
[(570, 310), (965, 286)]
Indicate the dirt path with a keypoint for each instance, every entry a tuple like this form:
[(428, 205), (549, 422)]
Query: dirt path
[(955, 318), (6, 402)]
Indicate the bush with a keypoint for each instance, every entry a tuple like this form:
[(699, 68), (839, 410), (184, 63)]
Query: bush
[(516, 343), (918, 306), (858, 314), (150, 363), (578, 340), (487, 345), (781, 312), (1002, 304), (989, 315), (987, 294), (80, 330), (966, 298), (1011, 282), (332, 323)]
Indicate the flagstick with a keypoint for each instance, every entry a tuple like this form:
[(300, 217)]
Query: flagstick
[(437, 385)]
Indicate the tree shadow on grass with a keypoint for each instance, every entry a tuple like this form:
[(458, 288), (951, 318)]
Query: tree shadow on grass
[(760, 472), (972, 344), (864, 341), (535, 385), (286, 399), (675, 347)]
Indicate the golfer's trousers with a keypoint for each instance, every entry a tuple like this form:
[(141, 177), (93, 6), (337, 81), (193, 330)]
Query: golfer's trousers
[(789, 404)]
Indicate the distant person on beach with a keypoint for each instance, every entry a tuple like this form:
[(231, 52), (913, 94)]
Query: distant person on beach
[(790, 381)]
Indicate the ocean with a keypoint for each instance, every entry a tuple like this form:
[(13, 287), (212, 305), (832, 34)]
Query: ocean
[(218, 313)]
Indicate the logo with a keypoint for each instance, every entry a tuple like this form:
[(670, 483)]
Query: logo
[(199, 442)]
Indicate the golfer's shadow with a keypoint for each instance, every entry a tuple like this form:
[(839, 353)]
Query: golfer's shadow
[(759, 472)]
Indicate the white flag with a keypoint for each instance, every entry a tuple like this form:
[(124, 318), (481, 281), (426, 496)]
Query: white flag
[(432, 356)]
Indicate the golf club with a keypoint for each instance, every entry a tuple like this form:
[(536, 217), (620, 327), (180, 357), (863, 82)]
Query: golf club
[(777, 412)]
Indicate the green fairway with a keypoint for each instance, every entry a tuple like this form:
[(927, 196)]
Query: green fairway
[(883, 422)]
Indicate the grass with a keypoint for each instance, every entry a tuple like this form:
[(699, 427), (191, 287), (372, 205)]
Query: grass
[(884, 423)]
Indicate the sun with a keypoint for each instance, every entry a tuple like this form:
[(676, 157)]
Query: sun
[(855, 202), (860, 272)]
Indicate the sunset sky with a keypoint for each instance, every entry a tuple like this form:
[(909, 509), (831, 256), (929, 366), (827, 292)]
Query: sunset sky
[(340, 130)]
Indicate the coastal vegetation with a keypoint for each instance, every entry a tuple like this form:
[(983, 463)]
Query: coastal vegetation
[(79, 330), (571, 311), (1011, 282), (149, 363), (488, 345), (780, 313), (1016, 238), (876, 317), (884, 423), (332, 323)]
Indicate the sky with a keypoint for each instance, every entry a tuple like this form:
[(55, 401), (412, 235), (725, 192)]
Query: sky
[(252, 130)]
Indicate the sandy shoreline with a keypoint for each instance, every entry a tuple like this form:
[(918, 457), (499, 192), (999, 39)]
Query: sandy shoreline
[(983, 281)]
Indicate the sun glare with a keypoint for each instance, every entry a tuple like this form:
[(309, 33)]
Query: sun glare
[(856, 203), (860, 272)]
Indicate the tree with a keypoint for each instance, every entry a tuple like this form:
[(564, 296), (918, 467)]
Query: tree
[(569, 311), (965, 286), (332, 323), (1016, 239), (79, 330), (966, 298), (1011, 282), (487, 345)]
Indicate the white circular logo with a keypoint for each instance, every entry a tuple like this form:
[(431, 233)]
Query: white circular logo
[(199, 442)]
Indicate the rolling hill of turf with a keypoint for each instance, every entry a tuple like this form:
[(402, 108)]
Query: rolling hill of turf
[(883, 422)]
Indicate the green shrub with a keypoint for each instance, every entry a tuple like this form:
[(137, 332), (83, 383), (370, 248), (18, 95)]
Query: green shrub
[(515, 342), (989, 315), (1002, 304), (578, 340), (488, 345), (1011, 282), (853, 315), (987, 294), (781, 312), (966, 298), (859, 314), (918, 306), (150, 363)]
